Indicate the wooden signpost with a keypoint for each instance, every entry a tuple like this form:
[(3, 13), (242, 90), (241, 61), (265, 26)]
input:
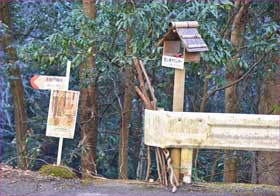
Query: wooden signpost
[(63, 106), (184, 33)]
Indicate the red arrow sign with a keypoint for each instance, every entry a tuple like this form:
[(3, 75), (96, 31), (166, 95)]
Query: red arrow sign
[(49, 82), (32, 81)]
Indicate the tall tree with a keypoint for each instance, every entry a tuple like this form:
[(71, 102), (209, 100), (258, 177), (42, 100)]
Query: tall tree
[(127, 104), (233, 70), (89, 110), (16, 87), (268, 163)]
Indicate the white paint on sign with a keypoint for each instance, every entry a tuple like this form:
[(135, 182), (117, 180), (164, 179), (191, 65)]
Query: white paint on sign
[(62, 113), (49, 82), (173, 62)]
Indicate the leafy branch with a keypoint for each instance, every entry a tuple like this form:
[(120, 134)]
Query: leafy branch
[(241, 78)]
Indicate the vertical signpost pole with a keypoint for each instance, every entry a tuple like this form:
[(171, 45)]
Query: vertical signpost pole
[(186, 154), (178, 105), (59, 152), (60, 144)]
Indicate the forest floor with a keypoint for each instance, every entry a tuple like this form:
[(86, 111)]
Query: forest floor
[(18, 182)]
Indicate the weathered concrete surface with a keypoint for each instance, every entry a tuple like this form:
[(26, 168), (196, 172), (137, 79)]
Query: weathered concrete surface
[(212, 130)]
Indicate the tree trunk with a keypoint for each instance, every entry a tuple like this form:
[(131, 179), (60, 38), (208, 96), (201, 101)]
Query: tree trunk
[(89, 110), (16, 88), (127, 107), (268, 163), (231, 98)]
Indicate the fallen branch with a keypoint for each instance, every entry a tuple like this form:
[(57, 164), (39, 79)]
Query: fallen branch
[(140, 78), (143, 97), (154, 100), (149, 99)]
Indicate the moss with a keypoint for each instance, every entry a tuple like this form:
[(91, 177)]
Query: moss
[(58, 171)]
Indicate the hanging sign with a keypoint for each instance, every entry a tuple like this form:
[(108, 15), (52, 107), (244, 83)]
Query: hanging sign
[(173, 62), (62, 113)]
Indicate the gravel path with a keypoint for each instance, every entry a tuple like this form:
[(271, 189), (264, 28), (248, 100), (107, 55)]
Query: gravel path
[(19, 183)]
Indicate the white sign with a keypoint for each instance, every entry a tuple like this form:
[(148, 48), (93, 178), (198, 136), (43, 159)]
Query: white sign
[(173, 62), (49, 82), (62, 113)]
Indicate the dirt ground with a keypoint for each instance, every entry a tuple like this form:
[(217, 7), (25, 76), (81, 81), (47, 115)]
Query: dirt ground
[(17, 182)]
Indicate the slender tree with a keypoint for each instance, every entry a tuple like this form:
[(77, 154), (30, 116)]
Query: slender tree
[(268, 163), (233, 70), (89, 110), (127, 104), (16, 87)]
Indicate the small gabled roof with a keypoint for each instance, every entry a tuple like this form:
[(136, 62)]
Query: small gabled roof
[(186, 32)]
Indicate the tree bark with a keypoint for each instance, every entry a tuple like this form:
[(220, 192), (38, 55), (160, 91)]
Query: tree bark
[(16, 88), (231, 97), (268, 163), (89, 110), (127, 106)]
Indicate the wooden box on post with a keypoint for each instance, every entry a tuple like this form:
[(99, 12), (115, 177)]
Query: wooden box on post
[(191, 56), (182, 43)]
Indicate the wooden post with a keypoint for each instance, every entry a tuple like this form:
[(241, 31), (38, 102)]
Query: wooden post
[(68, 73), (60, 144), (187, 153), (178, 106), (186, 164)]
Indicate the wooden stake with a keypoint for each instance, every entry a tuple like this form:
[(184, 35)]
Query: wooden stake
[(178, 106), (68, 74)]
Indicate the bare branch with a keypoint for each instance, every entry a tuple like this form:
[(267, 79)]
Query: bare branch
[(241, 78)]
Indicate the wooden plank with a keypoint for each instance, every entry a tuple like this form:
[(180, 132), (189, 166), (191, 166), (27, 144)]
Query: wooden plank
[(178, 105), (199, 44), (171, 48), (187, 31), (179, 90), (191, 56), (212, 130)]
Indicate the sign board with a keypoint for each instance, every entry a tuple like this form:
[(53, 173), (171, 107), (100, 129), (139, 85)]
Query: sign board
[(173, 62), (50, 82), (62, 113), (212, 130)]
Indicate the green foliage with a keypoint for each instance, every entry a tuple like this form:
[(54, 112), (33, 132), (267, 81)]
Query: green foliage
[(51, 33)]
